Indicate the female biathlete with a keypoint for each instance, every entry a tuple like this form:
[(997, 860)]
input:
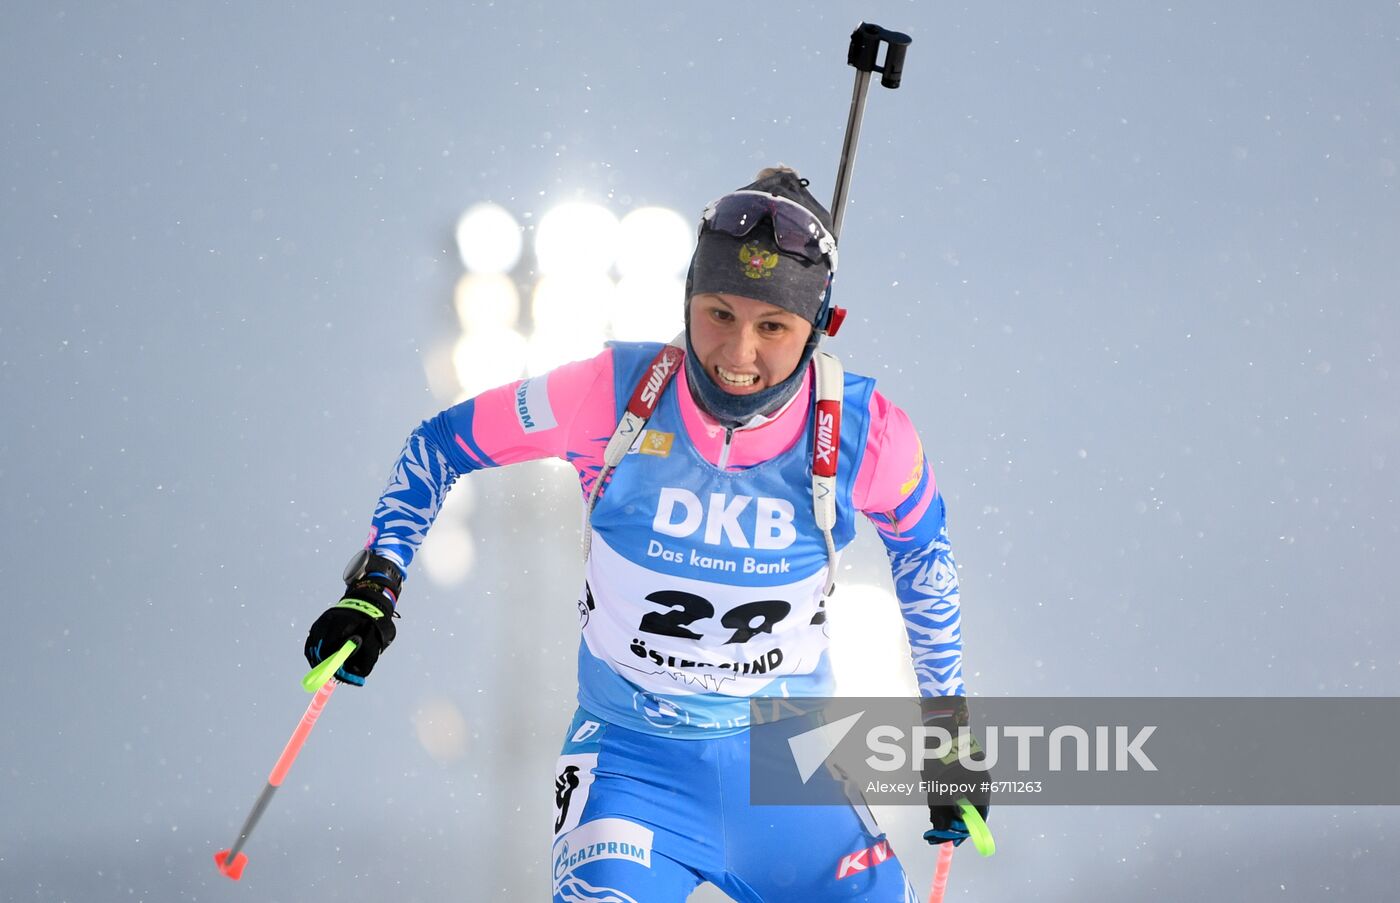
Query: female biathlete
[(708, 469)]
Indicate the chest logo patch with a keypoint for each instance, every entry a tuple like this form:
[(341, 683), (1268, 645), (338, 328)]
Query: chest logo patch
[(655, 442)]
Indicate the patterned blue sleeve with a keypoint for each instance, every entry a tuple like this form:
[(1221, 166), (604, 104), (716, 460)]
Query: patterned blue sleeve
[(926, 583), (552, 415), (431, 460)]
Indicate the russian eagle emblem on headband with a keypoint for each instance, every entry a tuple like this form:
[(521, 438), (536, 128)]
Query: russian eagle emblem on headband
[(758, 263)]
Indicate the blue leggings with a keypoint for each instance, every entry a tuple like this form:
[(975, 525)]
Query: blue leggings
[(645, 819)]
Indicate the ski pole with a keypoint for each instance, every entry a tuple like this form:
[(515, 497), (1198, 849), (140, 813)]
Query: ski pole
[(981, 838), (940, 873), (317, 680)]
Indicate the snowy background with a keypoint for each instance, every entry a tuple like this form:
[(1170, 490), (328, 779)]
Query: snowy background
[(1133, 270)]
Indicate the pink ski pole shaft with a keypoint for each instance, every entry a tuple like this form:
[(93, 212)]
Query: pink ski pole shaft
[(940, 873), (232, 861), (981, 839)]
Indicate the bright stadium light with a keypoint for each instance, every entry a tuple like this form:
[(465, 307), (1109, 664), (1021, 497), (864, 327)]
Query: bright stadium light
[(654, 241), (576, 237), (548, 349), (648, 308), (570, 315), (869, 648), (486, 301), (582, 301), (488, 239), (488, 358), (574, 306)]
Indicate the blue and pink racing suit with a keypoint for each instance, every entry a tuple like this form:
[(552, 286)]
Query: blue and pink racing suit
[(705, 585)]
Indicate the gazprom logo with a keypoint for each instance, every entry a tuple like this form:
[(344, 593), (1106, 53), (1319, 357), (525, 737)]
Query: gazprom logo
[(601, 838), (741, 521), (532, 405)]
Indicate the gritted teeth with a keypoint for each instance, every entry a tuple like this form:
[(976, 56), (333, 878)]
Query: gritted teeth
[(736, 379)]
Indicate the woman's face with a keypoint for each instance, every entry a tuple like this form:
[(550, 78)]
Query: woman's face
[(745, 345)]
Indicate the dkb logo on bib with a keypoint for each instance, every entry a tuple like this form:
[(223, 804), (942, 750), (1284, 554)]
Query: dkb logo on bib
[(726, 521)]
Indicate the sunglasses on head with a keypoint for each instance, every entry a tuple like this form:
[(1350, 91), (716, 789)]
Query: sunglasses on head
[(796, 229)]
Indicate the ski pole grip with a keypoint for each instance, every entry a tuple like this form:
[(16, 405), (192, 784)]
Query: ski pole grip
[(317, 676), (864, 52), (977, 829)]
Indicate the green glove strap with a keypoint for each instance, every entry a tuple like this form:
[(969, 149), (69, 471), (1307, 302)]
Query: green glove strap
[(318, 675), (977, 829), (363, 607)]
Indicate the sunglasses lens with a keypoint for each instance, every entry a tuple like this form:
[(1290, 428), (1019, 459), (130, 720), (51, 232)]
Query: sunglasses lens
[(737, 216), (795, 230), (796, 233)]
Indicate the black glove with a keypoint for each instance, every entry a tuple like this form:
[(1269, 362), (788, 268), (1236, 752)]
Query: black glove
[(950, 781), (366, 611)]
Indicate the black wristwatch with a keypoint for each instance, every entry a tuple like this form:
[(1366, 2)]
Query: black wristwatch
[(365, 564)]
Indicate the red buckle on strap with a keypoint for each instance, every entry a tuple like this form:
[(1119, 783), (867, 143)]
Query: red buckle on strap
[(834, 320)]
